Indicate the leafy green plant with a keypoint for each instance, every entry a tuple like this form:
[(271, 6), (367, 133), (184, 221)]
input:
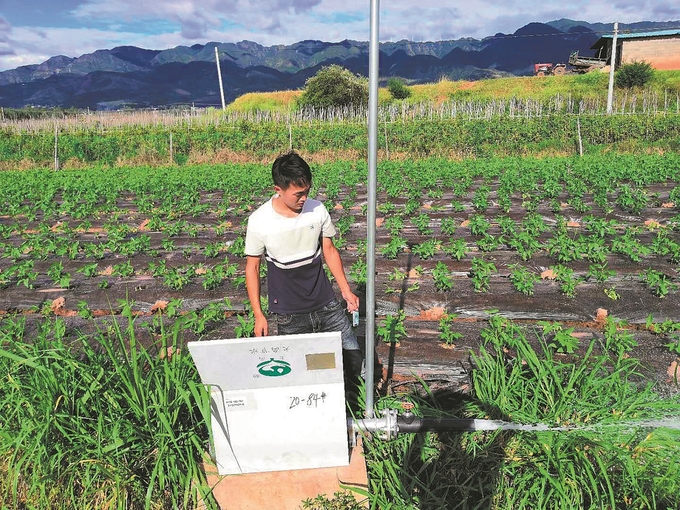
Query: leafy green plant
[(332, 87), (524, 243), (394, 247), (568, 282), (59, 276), (617, 338), (522, 279), (178, 277), (397, 274), (212, 250), (558, 338), (480, 198), (628, 244), (442, 277), (397, 89), (90, 270), (446, 332), (238, 247), (84, 311), (659, 283), (394, 225), (344, 223), (631, 199), (456, 249), (633, 74), (489, 242), (245, 327), (480, 273), (449, 226), (422, 223), (478, 224), (25, 274), (412, 205), (392, 329), (124, 269), (357, 272), (426, 249), (599, 272)]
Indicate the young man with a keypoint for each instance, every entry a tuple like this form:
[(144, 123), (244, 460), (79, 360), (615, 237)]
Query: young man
[(292, 231)]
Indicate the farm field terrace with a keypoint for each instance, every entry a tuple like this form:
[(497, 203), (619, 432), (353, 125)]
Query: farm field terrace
[(584, 243)]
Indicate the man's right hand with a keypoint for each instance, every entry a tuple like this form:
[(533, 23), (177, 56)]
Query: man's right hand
[(261, 325)]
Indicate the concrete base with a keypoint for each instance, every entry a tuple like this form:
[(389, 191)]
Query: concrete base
[(285, 490)]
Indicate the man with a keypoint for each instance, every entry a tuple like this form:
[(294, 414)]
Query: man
[(292, 231)]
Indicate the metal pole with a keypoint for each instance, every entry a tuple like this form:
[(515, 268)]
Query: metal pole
[(219, 77), (612, 65), (373, 69)]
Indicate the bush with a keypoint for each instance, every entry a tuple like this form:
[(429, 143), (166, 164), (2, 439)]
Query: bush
[(635, 74), (334, 87), (397, 89)]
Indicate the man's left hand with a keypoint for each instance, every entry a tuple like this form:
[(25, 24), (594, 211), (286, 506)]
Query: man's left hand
[(352, 301)]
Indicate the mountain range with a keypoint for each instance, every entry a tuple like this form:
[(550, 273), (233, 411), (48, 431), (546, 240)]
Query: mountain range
[(127, 76)]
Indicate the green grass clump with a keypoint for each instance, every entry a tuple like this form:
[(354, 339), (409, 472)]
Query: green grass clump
[(612, 458), (100, 422)]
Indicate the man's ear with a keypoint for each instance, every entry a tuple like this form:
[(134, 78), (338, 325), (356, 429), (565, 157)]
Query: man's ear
[(278, 190)]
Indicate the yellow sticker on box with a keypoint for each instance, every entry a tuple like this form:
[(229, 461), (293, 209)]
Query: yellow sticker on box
[(320, 361)]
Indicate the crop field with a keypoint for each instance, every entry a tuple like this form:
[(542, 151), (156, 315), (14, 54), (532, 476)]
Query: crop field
[(511, 256), (588, 243)]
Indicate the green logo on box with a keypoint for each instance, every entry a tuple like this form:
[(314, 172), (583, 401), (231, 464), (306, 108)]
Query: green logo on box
[(274, 368)]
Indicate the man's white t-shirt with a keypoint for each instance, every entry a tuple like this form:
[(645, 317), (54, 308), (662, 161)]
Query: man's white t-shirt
[(292, 247)]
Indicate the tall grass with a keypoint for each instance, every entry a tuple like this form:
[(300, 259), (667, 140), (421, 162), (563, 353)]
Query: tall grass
[(611, 459), (99, 422)]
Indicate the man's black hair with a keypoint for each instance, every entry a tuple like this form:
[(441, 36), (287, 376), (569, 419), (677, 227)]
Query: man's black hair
[(289, 169)]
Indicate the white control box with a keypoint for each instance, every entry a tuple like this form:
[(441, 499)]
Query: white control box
[(278, 402)]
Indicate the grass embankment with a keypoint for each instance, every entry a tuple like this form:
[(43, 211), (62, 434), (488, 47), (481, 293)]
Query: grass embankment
[(590, 85), (101, 422), (612, 456), (243, 141)]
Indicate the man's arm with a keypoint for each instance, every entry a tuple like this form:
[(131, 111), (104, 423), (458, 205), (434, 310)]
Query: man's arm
[(253, 288), (332, 257)]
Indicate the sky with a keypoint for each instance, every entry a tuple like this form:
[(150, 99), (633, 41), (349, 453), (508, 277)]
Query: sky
[(31, 31)]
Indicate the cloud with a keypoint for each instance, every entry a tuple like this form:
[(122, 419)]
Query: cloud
[(6, 49), (33, 46), (168, 23), (299, 6)]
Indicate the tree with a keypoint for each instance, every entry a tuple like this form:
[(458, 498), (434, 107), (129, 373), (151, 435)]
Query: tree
[(397, 89), (334, 87), (635, 74)]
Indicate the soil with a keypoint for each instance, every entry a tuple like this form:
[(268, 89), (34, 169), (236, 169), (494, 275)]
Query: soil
[(421, 352)]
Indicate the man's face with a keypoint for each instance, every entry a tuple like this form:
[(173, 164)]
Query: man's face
[(293, 197)]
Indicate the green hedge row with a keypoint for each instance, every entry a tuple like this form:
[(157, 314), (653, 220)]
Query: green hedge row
[(474, 138)]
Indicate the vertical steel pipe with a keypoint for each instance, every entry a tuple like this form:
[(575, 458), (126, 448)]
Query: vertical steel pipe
[(373, 70)]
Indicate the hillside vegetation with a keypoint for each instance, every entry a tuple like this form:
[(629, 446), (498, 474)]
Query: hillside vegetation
[(591, 85)]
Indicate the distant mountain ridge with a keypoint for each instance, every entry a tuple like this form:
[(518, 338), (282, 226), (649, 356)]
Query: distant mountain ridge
[(137, 77)]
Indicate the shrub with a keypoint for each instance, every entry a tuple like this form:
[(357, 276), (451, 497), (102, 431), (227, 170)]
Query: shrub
[(397, 89), (334, 87), (635, 74)]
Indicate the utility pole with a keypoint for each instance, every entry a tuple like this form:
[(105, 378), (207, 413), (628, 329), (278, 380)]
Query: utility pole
[(219, 77), (612, 65)]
